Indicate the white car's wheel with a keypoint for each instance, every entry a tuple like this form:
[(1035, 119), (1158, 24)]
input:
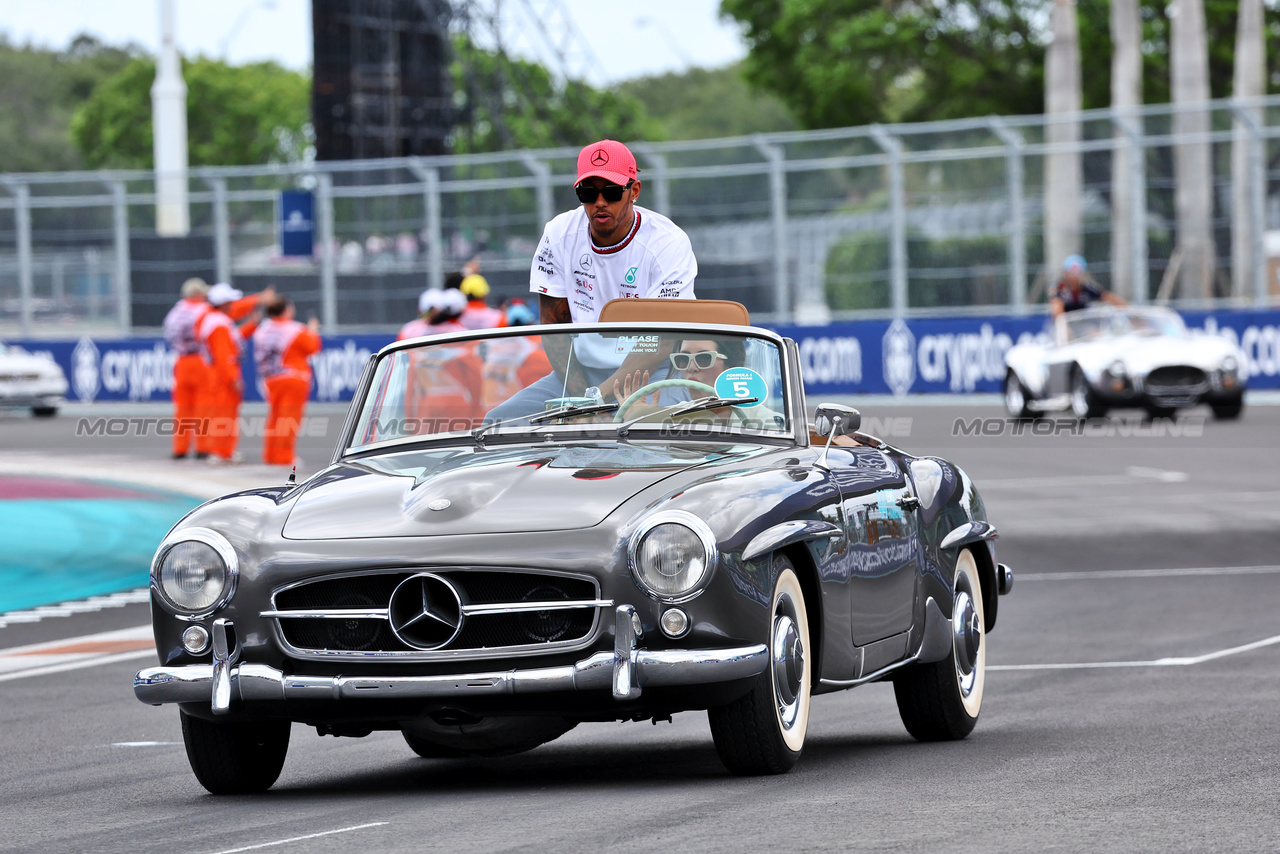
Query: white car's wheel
[(1015, 397), (941, 701), (1084, 401), (763, 732)]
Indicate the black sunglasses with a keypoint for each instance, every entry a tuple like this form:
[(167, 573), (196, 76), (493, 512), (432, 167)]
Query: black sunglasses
[(611, 192)]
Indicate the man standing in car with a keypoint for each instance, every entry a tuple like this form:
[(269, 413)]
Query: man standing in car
[(607, 248)]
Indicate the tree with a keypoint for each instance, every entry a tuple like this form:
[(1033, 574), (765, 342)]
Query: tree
[(1221, 23), (39, 91), (1126, 96), (708, 103), (1193, 166), (852, 62), (1064, 177), (236, 115), (513, 103)]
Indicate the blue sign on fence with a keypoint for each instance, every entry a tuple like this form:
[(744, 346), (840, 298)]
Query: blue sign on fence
[(297, 223)]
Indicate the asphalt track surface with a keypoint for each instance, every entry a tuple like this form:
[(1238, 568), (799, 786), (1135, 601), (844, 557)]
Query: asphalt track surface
[(1131, 699)]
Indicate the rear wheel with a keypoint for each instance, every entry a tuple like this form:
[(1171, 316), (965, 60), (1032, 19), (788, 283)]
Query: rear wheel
[(941, 701), (235, 758), (44, 411), (1015, 397), (763, 732)]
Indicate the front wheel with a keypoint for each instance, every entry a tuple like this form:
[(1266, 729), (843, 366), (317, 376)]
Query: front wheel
[(1084, 400), (1228, 410), (763, 732), (235, 758), (941, 701)]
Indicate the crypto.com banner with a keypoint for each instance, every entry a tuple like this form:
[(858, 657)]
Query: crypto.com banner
[(960, 355), (141, 369), (922, 356)]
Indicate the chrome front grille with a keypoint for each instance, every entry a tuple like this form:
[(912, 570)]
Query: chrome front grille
[(445, 613), (1181, 382)]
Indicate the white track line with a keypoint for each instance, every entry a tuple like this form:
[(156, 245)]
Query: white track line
[(301, 838), (1147, 573), (78, 665), (1159, 662)]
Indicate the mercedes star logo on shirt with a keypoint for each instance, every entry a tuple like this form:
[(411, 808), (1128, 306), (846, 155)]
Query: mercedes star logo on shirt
[(425, 611)]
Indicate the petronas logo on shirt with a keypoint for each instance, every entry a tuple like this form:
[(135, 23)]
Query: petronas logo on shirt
[(630, 278)]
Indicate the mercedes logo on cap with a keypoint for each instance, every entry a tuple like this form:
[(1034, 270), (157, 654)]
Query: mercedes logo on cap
[(425, 611), (599, 157)]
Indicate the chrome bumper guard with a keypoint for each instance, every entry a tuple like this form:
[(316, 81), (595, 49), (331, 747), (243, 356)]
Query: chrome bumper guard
[(625, 671)]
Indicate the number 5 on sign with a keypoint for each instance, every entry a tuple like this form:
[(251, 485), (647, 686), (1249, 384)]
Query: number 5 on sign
[(742, 383)]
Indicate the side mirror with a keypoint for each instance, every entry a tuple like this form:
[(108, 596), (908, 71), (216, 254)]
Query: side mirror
[(832, 419)]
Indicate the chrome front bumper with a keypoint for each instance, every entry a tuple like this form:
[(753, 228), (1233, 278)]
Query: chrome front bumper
[(226, 684)]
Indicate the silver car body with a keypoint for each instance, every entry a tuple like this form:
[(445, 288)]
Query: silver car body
[(28, 380)]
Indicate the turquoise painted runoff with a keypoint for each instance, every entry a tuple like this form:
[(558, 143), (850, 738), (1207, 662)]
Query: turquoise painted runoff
[(60, 549)]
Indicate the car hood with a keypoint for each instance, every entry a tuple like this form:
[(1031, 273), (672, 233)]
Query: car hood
[(1142, 354), (460, 491)]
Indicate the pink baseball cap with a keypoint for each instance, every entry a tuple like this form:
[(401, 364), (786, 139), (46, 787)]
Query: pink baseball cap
[(608, 159)]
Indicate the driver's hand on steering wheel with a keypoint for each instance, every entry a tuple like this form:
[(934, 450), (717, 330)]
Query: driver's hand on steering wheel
[(630, 385)]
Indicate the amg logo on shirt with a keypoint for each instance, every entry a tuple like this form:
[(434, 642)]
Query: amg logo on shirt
[(668, 292)]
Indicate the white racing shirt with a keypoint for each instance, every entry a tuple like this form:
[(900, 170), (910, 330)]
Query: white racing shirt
[(655, 260)]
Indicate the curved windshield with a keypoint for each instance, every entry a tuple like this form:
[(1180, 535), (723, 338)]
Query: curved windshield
[(696, 382)]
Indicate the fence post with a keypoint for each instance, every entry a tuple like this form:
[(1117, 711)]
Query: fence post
[(892, 146), (1015, 147), (124, 266), (782, 303), (328, 253), (221, 230), (542, 172), (430, 177), (1257, 181), (26, 283), (661, 187)]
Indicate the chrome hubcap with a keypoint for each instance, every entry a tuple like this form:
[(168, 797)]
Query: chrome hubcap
[(788, 668), (966, 630)]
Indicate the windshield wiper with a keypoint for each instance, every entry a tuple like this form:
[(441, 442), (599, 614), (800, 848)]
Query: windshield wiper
[(478, 434), (573, 411), (688, 406)]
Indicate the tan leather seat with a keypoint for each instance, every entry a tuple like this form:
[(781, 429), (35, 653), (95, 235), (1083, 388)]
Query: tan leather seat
[(675, 311)]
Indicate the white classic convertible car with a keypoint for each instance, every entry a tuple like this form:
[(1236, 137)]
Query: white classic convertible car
[(30, 381), (1108, 357)]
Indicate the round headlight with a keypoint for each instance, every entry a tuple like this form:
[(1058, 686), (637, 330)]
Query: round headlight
[(672, 555), (1229, 365), (194, 571), (1116, 368)]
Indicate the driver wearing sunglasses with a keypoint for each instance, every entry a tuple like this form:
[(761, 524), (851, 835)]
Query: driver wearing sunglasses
[(608, 247)]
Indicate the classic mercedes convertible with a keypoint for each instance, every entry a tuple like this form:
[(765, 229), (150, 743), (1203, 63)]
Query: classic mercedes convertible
[(497, 553)]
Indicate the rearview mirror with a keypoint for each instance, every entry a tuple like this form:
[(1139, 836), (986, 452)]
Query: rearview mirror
[(832, 419)]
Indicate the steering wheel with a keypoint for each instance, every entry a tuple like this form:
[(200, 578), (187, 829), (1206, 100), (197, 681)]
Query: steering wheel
[(654, 386)]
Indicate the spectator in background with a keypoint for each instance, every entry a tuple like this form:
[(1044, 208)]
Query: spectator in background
[(220, 346), (1076, 289), (478, 314), (438, 312), (281, 348), (189, 368), (512, 363)]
